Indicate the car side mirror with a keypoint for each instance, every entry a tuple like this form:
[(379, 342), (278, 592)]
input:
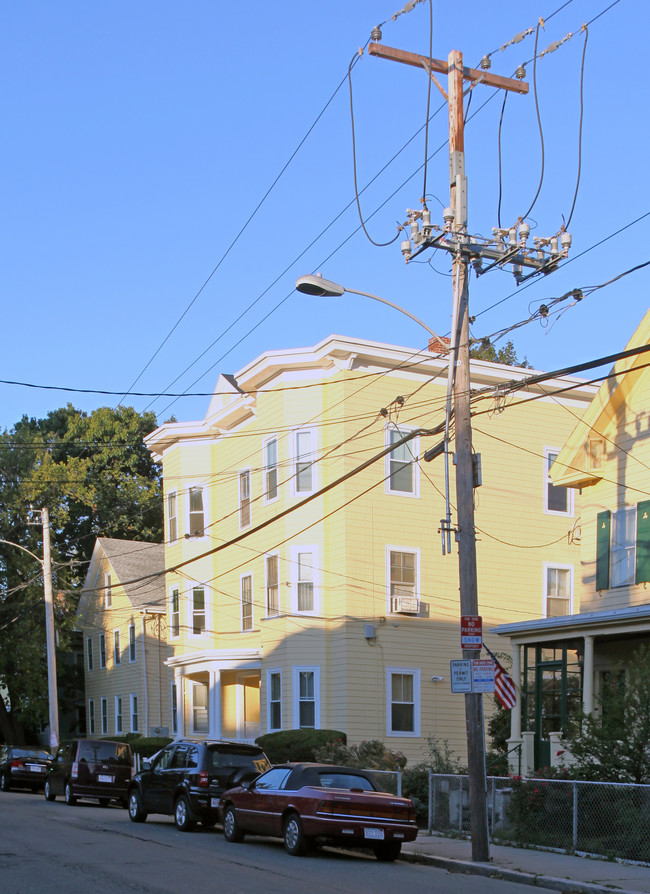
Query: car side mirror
[(246, 784), (146, 764)]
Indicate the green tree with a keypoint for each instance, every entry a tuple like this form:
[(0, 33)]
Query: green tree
[(97, 478), (612, 744), (507, 354)]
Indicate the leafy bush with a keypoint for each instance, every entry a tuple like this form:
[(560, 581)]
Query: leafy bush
[(415, 780), (145, 746), (297, 744), (368, 755)]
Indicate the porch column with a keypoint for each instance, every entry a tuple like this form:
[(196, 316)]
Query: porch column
[(215, 704), (180, 703), (515, 713), (588, 676)]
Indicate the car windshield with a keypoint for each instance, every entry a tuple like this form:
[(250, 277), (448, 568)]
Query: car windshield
[(105, 752), (30, 752), (221, 761)]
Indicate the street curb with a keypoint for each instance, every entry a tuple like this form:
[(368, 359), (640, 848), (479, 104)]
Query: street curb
[(488, 870)]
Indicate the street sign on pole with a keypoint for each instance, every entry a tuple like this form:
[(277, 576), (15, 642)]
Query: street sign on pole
[(460, 674), (471, 632), (483, 675)]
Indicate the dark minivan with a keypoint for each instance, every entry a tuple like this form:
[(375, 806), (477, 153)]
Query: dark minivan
[(90, 768)]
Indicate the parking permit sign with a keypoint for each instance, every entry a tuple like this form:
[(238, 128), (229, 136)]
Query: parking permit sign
[(460, 673), (483, 675)]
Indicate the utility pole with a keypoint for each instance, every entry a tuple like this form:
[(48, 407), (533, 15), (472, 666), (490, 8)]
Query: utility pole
[(507, 248), (49, 628)]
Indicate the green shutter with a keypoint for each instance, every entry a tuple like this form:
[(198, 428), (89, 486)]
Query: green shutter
[(643, 542), (603, 525)]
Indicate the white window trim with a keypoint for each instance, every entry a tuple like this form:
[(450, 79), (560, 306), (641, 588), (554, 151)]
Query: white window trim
[(295, 550), (266, 467), (172, 493), (241, 602), (117, 653), (103, 716), (266, 606), (413, 446), (561, 567), (173, 588), (402, 549), (613, 582), (91, 716), (415, 673), (133, 697), (245, 471), (103, 656), (547, 481), (296, 671), (108, 590), (269, 673), (90, 654), (294, 459), (206, 604), (192, 485), (133, 655)]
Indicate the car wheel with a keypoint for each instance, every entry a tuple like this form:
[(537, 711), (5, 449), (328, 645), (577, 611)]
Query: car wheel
[(388, 851), (69, 794), (49, 794), (294, 838), (183, 815), (231, 830), (136, 810), (5, 785)]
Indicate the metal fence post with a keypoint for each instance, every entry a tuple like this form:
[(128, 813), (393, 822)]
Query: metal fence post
[(431, 802), (575, 815)]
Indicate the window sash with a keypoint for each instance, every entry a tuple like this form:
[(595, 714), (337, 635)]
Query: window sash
[(118, 713), (272, 589), (91, 716), (198, 611), (275, 701), (247, 603), (304, 462), (174, 708), (108, 592), (175, 614), (623, 547), (271, 469), (104, 707), (244, 499), (400, 465), (558, 592), (305, 588), (306, 700), (172, 518), (89, 653), (402, 703), (200, 708), (197, 517), (102, 650), (557, 498), (117, 655), (132, 655), (134, 713), (403, 577)]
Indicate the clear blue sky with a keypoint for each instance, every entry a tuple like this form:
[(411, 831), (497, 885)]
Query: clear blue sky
[(139, 137)]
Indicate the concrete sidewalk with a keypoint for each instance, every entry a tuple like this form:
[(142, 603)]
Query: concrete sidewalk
[(544, 869)]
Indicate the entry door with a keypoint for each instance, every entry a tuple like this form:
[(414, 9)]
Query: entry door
[(551, 709)]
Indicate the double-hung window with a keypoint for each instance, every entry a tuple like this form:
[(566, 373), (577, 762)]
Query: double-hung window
[(304, 574), (274, 690), (132, 652), (172, 517), (270, 469), (198, 611), (623, 546), (306, 697), (246, 602), (174, 699), (272, 586), (89, 652), (558, 590), (403, 581), (244, 498), (134, 712), (402, 701), (102, 650), (557, 500), (117, 655), (174, 613), (118, 713), (304, 472), (104, 710), (196, 512), (91, 716), (108, 592), (402, 472), (199, 708)]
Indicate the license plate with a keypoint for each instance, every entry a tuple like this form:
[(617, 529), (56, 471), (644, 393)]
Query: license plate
[(377, 834), (214, 802), (36, 769), (101, 778)]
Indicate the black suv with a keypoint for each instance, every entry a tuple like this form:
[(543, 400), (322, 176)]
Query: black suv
[(90, 768), (187, 777)]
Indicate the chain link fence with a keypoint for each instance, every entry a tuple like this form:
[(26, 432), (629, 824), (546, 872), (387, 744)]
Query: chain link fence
[(599, 818)]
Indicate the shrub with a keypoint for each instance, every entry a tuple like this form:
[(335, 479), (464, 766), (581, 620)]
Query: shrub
[(145, 746), (297, 744), (368, 755)]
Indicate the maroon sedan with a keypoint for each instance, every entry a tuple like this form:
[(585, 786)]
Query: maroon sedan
[(305, 803)]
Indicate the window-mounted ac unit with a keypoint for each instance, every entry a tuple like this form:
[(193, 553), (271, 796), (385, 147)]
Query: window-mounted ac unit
[(405, 605)]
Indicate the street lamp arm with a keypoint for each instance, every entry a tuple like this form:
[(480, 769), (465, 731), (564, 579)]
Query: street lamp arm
[(401, 310), (29, 553)]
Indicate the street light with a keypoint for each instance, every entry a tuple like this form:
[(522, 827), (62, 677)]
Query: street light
[(325, 288), (46, 566)]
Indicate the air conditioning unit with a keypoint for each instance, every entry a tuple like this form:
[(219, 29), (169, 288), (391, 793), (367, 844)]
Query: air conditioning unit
[(405, 605)]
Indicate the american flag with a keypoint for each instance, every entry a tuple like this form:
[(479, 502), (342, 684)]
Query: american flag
[(504, 687)]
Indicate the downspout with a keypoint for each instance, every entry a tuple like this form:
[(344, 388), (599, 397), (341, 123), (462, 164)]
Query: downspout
[(144, 672)]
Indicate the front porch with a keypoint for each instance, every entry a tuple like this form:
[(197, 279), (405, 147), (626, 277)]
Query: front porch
[(216, 694)]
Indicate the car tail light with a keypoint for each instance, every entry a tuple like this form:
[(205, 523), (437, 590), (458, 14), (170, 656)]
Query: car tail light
[(17, 764), (75, 770), (204, 779)]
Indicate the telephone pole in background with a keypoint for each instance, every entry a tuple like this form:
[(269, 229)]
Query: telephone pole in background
[(507, 248)]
